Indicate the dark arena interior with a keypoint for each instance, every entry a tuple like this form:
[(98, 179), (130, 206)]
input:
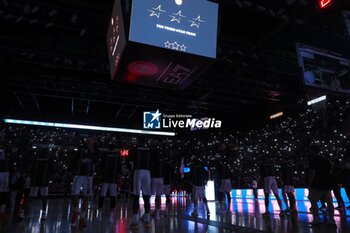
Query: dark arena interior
[(174, 116)]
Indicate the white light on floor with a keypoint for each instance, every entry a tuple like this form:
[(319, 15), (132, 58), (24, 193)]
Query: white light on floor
[(89, 127)]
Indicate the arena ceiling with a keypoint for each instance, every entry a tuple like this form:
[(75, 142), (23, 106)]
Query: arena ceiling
[(54, 64)]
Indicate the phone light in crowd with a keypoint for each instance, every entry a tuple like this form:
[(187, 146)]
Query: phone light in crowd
[(88, 127), (323, 4), (276, 115), (319, 99)]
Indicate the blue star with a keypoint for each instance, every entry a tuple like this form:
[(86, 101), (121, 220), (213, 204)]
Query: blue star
[(156, 11)]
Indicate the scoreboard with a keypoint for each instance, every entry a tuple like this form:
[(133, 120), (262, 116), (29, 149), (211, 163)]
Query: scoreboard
[(162, 43), (189, 27), (116, 37)]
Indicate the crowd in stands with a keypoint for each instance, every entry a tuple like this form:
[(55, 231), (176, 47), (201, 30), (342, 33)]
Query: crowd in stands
[(284, 138)]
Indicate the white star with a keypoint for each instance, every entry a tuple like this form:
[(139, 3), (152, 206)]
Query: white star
[(167, 44), (175, 45), (156, 115), (177, 19), (183, 48), (156, 11), (196, 21)]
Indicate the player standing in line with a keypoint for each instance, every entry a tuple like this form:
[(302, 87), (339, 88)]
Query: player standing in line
[(141, 159), (254, 186), (347, 180), (267, 173), (167, 177), (157, 182), (225, 187), (253, 183), (288, 183), (320, 186), (199, 177), (4, 181), (337, 182), (15, 185), (87, 157), (40, 172), (110, 169)]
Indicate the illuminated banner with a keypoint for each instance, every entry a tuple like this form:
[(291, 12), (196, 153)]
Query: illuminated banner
[(301, 194), (188, 26), (88, 127), (317, 100), (170, 43)]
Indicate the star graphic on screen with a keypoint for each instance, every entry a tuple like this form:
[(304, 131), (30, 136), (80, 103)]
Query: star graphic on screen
[(156, 115), (196, 21), (156, 11), (167, 44), (183, 48), (175, 45), (176, 16)]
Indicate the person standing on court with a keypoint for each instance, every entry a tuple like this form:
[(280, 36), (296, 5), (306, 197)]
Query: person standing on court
[(110, 170), (320, 186), (141, 158), (84, 166), (267, 173)]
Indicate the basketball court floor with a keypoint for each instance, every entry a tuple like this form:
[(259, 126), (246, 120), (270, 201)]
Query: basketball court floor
[(245, 217)]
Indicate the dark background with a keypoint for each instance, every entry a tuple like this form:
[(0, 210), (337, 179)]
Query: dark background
[(54, 63)]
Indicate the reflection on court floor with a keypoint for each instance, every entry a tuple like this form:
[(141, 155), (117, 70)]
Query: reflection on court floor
[(244, 213)]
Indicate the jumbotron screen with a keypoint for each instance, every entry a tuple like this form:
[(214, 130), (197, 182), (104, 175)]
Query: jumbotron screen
[(188, 26), (116, 37)]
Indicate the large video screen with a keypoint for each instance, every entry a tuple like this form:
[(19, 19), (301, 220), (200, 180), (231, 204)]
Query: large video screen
[(188, 26), (116, 37), (324, 69)]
